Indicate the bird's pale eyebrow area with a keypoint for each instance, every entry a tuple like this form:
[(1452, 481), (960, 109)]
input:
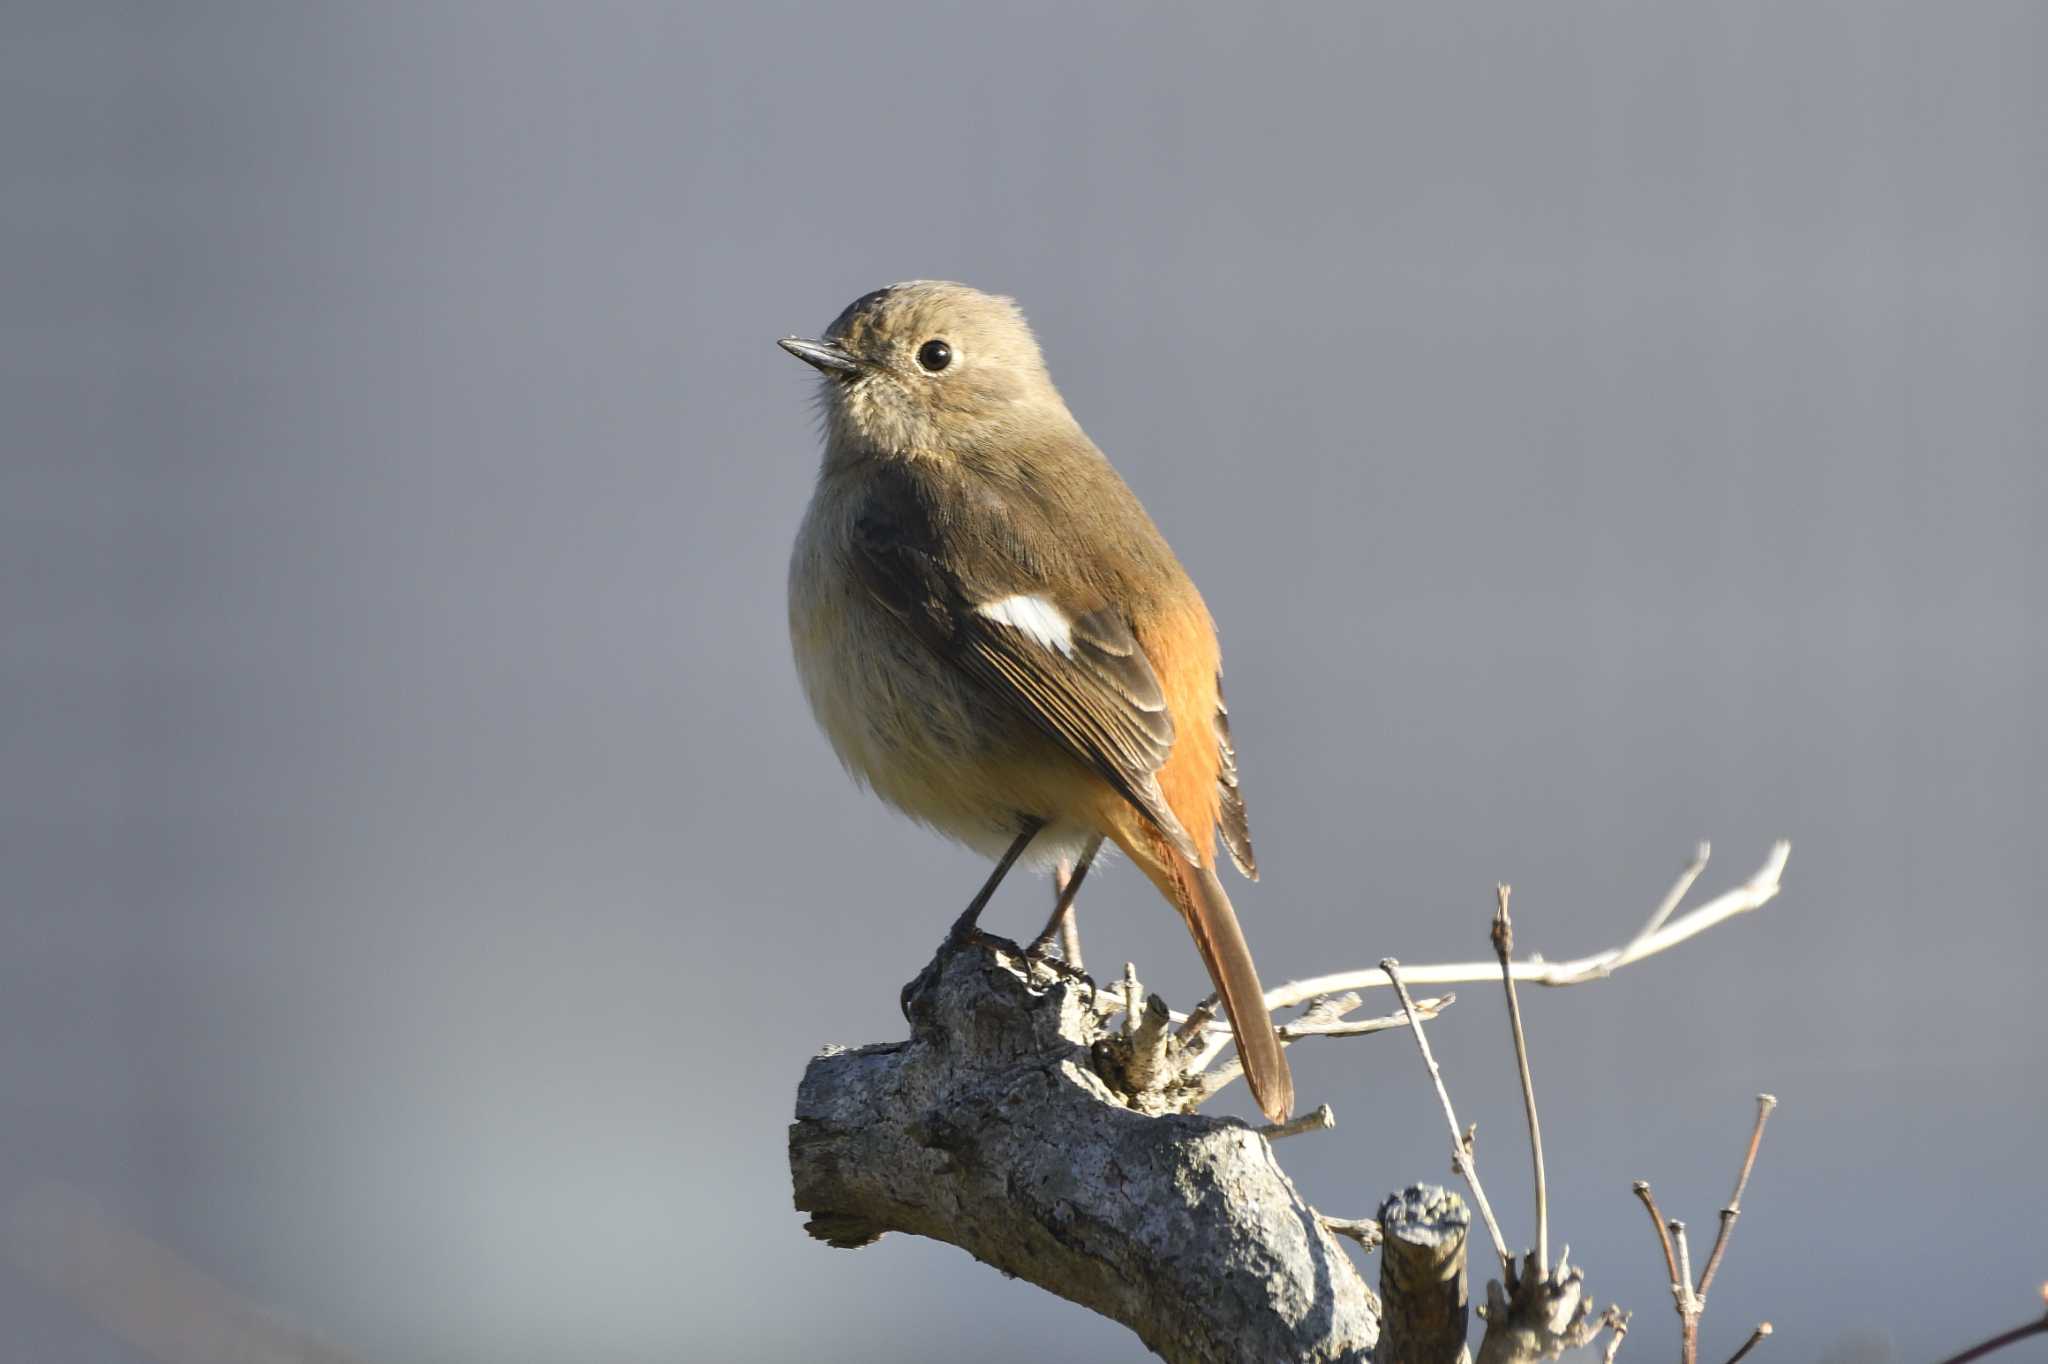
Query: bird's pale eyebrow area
[(1036, 617)]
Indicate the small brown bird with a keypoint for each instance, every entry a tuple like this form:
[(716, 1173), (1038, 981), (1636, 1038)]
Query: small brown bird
[(996, 638)]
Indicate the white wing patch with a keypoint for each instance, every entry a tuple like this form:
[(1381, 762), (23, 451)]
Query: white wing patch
[(1036, 617)]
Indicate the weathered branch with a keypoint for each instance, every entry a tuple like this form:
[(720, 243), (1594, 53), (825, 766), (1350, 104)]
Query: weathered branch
[(1025, 1123), (1425, 1306), (1000, 1127), (1759, 890)]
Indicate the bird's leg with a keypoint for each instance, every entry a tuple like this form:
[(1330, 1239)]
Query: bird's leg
[(963, 927), (1061, 924)]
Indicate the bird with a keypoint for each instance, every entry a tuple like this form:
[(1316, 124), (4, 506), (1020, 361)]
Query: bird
[(997, 640)]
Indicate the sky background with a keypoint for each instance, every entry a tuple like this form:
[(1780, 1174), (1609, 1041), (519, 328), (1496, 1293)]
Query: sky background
[(1594, 427)]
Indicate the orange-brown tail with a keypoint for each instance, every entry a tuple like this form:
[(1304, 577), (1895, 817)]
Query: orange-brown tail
[(1221, 942)]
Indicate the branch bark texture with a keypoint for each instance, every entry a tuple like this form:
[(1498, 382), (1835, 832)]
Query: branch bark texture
[(1004, 1126)]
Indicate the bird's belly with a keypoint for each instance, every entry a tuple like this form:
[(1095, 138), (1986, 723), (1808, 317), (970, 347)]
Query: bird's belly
[(919, 732)]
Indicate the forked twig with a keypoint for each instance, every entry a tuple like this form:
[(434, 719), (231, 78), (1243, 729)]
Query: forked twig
[(1678, 1285), (1687, 1296), (1675, 897), (1759, 890)]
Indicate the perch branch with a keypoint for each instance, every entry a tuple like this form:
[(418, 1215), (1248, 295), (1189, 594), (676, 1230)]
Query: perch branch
[(1022, 1121), (998, 1128)]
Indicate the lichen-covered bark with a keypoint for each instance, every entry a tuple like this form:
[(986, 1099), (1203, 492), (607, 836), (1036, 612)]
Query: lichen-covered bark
[(992, 1129)]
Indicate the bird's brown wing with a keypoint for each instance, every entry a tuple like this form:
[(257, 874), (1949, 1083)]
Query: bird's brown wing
[(1231, 819), (955, 568)]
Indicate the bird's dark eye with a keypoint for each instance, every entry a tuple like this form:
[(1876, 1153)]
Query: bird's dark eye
[(934, 355)]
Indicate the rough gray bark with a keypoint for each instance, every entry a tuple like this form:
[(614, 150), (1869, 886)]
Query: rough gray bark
[(1004, 1126), (1422, 1277)]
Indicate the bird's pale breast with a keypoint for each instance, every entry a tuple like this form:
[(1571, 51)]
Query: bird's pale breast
[(914, 728)]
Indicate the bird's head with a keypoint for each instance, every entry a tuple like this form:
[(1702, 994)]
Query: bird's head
[(930, 370)]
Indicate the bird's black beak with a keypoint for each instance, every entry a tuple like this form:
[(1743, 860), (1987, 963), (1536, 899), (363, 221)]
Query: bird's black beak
[(822, 355)]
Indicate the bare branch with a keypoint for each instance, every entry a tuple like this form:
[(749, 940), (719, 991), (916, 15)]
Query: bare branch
[(1691, 1300), (1363, 1230), (1617, 1324), (1764, 1104), (1321, 1120), (1679, 1288), (1308, 1025), (1461, 1150), (2038, 1326), (1425, 1309), (1759, 890), (1323, 1018), (1148, 1067), (1763, 1328), (1684, 1261), (1197, 1019), (1675, 897), (1426, 1009), (1539, 1314), (1504, 948), (997, 1127)]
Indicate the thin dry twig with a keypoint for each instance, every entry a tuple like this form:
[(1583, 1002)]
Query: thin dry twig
[(1688, 1296), (1359, 1027), (1504, 948), (1617, 1327), (2038, 1326), (1675, 897), (1764, 1104), (1678, 1287), (1763, 1328), (1684, 1262), (1310, 1025), (1321, 1120), (1759, 890), (1363, 1230), (1461, 1147), (1149, 1066), (1197, 1019)]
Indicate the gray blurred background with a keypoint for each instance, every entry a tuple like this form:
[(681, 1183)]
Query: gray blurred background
[(1595, 428)]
